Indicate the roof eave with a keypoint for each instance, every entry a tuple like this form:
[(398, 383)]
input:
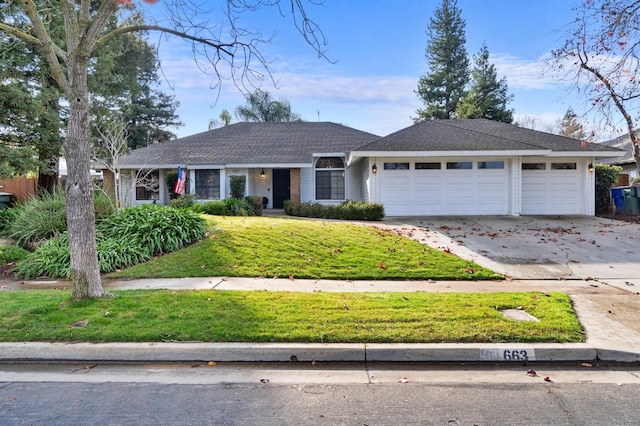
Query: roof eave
[(584, 154)]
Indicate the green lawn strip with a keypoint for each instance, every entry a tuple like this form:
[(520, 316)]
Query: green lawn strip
[(261, 316), (280, 247)]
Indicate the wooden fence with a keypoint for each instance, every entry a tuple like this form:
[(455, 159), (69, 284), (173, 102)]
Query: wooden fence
[(22, 188)]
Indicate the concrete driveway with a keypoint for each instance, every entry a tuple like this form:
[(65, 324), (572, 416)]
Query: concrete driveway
[(536, 247)]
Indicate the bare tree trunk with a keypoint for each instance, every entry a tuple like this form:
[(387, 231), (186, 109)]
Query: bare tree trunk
[(85, 269)]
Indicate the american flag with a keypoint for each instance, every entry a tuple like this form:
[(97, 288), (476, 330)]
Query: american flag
[(180, 183)]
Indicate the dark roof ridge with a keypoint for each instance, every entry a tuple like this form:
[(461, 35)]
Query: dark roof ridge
[(442, 121)]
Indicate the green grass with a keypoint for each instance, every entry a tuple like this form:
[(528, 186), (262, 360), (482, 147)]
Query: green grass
[(280, 247), (260, 316)]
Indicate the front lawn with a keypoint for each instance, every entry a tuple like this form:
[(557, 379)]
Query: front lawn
[(261, 316), (294, 248)]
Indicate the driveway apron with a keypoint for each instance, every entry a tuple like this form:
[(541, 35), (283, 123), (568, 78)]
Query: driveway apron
[(535, 247)]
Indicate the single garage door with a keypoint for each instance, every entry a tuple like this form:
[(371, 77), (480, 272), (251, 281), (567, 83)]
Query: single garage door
[(551, 187), (414, 188)]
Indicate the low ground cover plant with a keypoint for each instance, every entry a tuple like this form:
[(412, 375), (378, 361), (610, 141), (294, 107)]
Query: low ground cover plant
[(296, 248), (239, 316)]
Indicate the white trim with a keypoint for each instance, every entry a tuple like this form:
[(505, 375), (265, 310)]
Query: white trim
[(582, 154), (413, 154), (267, 166), (329, 154)]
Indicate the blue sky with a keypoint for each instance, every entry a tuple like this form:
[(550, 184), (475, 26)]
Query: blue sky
[(378, 47)]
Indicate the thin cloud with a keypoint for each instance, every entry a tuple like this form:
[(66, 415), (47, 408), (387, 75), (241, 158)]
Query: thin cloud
[(524, 73)]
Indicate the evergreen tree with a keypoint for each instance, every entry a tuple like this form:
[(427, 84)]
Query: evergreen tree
[(122, 80), (444, 86), (487, 97), (125, 89), (32, 118), (571, 127)]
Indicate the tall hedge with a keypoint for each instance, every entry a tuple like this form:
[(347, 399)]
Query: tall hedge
[(606, 177)]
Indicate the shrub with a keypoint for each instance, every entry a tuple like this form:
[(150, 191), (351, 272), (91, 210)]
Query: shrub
[(159, 229), (52, 259), (7, 217), (238, 207), (237, 184), (256, 203), (9, 254), (215, 208), (115, 253), (183, 201), (45, 217), (606, 177), (348, 210), (129, 237), (39, 219), (170, 178), (103, 206)]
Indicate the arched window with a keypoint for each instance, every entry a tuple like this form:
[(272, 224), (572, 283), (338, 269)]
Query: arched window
[(330, 178)]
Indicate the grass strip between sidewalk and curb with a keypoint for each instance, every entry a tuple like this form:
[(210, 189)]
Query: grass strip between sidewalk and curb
[(314, 249), (265, 316)]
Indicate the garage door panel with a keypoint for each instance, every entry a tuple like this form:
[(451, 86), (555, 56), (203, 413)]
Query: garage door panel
[(551, 191), (444, 192)]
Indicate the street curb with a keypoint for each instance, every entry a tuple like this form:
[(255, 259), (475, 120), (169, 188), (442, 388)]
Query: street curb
[(292, 352)]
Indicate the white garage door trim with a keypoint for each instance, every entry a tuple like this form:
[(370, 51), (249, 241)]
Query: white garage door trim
[(445, 191)]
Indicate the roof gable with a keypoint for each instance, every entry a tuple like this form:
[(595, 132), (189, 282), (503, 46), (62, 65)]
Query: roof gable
[(623, 143), (476, 135)]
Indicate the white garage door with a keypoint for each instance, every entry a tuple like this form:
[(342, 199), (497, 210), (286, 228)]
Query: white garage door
[(551, 187), (444, 188)]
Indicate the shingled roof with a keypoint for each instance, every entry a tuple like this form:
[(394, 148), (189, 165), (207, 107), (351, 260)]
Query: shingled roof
[(476, 135), (623, 143), (251, 143)]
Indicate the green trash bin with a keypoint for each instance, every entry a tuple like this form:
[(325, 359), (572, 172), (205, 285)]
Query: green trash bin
[(631, 201), (5, 199)]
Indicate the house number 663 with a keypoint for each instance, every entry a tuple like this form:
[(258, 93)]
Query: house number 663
[(515, 355)]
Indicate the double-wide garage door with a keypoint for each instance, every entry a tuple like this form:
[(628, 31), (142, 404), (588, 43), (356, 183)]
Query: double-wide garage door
[(444, 188), (447, 188)]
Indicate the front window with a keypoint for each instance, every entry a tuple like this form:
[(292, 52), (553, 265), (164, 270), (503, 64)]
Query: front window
[(147, 185), (330, 178), (208, 184)]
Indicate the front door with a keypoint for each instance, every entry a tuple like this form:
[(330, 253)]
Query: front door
[(281, 187)]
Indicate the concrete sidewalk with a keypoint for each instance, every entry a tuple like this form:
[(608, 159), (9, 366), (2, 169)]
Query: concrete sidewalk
[(609, 312)]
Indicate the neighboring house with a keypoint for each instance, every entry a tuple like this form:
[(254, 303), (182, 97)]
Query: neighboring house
[(625, 160), (437, 167)]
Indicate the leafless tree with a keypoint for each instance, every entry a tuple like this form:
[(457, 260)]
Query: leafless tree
[(601, 56)]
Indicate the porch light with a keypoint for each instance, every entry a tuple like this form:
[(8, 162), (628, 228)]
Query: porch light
[(590, 167), (374, 169), (262, 174)]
